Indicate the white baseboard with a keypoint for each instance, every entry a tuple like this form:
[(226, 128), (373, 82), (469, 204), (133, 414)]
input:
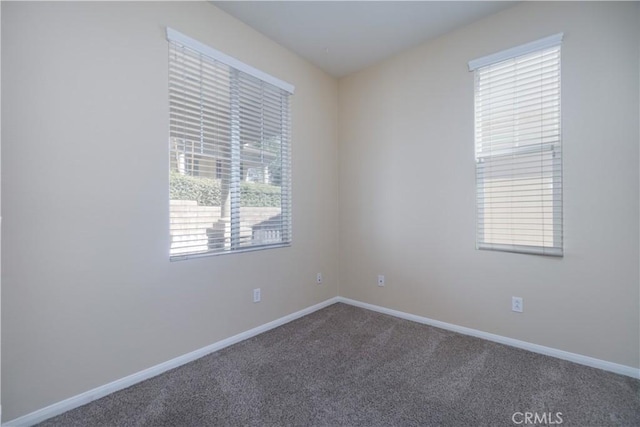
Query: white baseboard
[(548, 351), (98, 392)]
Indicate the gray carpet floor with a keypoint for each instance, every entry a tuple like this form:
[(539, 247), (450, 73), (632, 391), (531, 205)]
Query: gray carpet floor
[(345, 366)]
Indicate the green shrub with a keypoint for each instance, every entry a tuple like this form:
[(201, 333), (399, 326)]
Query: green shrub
[(206, 191), (260, 195)]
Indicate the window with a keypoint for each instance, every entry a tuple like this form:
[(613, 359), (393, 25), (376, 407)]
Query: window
[(229, 168), (518, 149)]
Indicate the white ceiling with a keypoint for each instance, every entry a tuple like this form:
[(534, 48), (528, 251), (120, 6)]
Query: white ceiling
[(342, 37)]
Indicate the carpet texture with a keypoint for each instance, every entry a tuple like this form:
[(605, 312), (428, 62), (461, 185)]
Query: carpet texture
[(345, 366)]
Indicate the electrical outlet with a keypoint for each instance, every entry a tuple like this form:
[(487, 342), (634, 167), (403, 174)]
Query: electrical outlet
[(380, 280), (319, 278), (516, 304), (256, 295)]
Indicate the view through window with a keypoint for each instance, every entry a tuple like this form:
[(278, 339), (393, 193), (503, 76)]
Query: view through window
[(229, 178)]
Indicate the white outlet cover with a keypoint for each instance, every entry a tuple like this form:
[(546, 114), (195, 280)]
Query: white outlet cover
[(380, 280), (256, 295), (319, 278), (516, 304)]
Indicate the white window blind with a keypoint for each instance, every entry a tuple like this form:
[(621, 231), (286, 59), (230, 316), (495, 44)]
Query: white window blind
[(518, 149), (230, 180)]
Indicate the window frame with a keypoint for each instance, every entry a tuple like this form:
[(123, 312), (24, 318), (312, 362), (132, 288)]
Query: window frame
[(517, 153), (240, 72)]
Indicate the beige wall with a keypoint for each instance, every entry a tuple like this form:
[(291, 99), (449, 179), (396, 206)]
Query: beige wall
[(89, 295), (407, 186)]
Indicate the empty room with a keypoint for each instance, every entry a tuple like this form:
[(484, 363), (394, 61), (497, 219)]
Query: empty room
[(320, 213)]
